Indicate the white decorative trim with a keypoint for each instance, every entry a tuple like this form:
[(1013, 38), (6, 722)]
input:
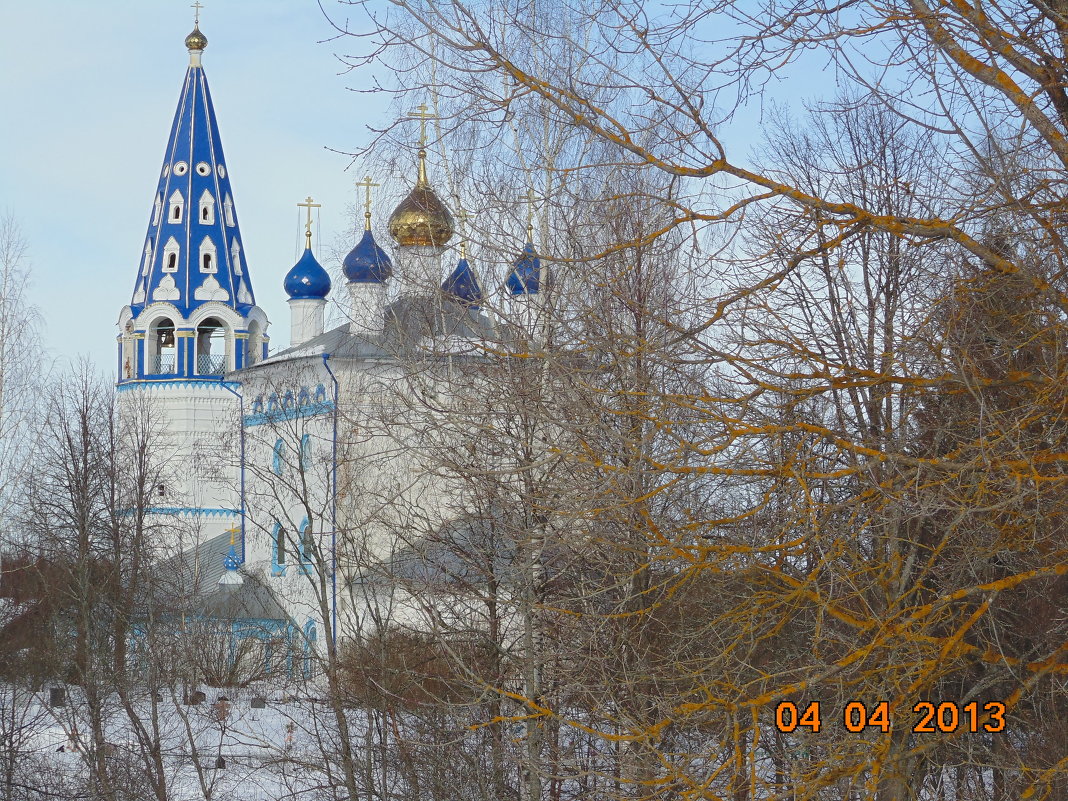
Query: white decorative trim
[(139, 294), (207, 209), (157, 208), (166, 289), (177, 203), (244, 297), (207, 248), (221, 170), (203, 168), (228, 211), (235, 256), (147, 265), (210, 290), (181, 168), (172, 248)]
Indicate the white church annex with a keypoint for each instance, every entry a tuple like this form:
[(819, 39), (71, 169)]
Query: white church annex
[(292, 466)]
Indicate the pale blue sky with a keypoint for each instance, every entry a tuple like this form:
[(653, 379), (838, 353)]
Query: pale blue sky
[(87, 96)]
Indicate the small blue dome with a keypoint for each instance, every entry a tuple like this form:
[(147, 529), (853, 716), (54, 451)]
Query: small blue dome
[(307, 279), (367, 263), (463, 285), (525, 277), (230, 561)]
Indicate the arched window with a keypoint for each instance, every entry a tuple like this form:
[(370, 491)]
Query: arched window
[(177, 203), (161, 348), (320, 394), (257, 405), (278, 551), (272, 404), (287, 401), (207, 208), (207, 256), (278, 462), (170, 255), (212, 341), (303, 397), (305, 452), (306, 547)]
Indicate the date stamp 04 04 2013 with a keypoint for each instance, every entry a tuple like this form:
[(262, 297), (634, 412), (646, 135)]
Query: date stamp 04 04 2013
[(946, 717)]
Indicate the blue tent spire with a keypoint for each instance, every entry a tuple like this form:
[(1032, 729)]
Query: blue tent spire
[(193, 251)]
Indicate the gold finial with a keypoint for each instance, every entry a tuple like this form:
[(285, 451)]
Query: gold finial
[(530, 215), (367, 185), (196, 41), (463, 215), (309, 205)]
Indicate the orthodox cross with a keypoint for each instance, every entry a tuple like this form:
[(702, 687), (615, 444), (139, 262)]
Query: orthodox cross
[(367, 184), (309, 205), (422, 114), (463, 215), (530, 215), (196, 6)]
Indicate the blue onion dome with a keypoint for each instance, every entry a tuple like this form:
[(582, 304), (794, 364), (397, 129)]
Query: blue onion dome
[(367, 263), (463, 285), (525, 277), (307, 279), (230, 561)]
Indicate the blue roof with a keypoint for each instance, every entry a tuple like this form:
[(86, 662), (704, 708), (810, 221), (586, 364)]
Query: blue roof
[(463, 285), (193, 251), (367, 263), (525, 277), (307, 278)]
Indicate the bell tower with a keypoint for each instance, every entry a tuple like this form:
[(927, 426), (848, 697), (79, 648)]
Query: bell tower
[(192, 316)]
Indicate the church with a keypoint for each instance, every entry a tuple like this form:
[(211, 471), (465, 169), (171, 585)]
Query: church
[(288, 467)]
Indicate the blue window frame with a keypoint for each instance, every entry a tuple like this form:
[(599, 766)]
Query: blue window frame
[(305, 452), (306, 547), (279, 460), (278, 551), (310, 637)]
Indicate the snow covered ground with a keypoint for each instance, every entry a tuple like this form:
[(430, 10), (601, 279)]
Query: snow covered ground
[(220, 748)]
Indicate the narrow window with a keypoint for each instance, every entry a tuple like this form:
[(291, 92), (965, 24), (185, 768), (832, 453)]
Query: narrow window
[(207, 263), (281, 551), (204, 214), (177, 215), (279, 457), (172, 262)]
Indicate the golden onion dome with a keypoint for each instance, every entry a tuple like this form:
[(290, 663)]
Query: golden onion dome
[(421, 219), (196, 40)]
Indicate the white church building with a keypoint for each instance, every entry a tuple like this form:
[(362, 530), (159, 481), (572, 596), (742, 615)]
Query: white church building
[(291, 470)]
